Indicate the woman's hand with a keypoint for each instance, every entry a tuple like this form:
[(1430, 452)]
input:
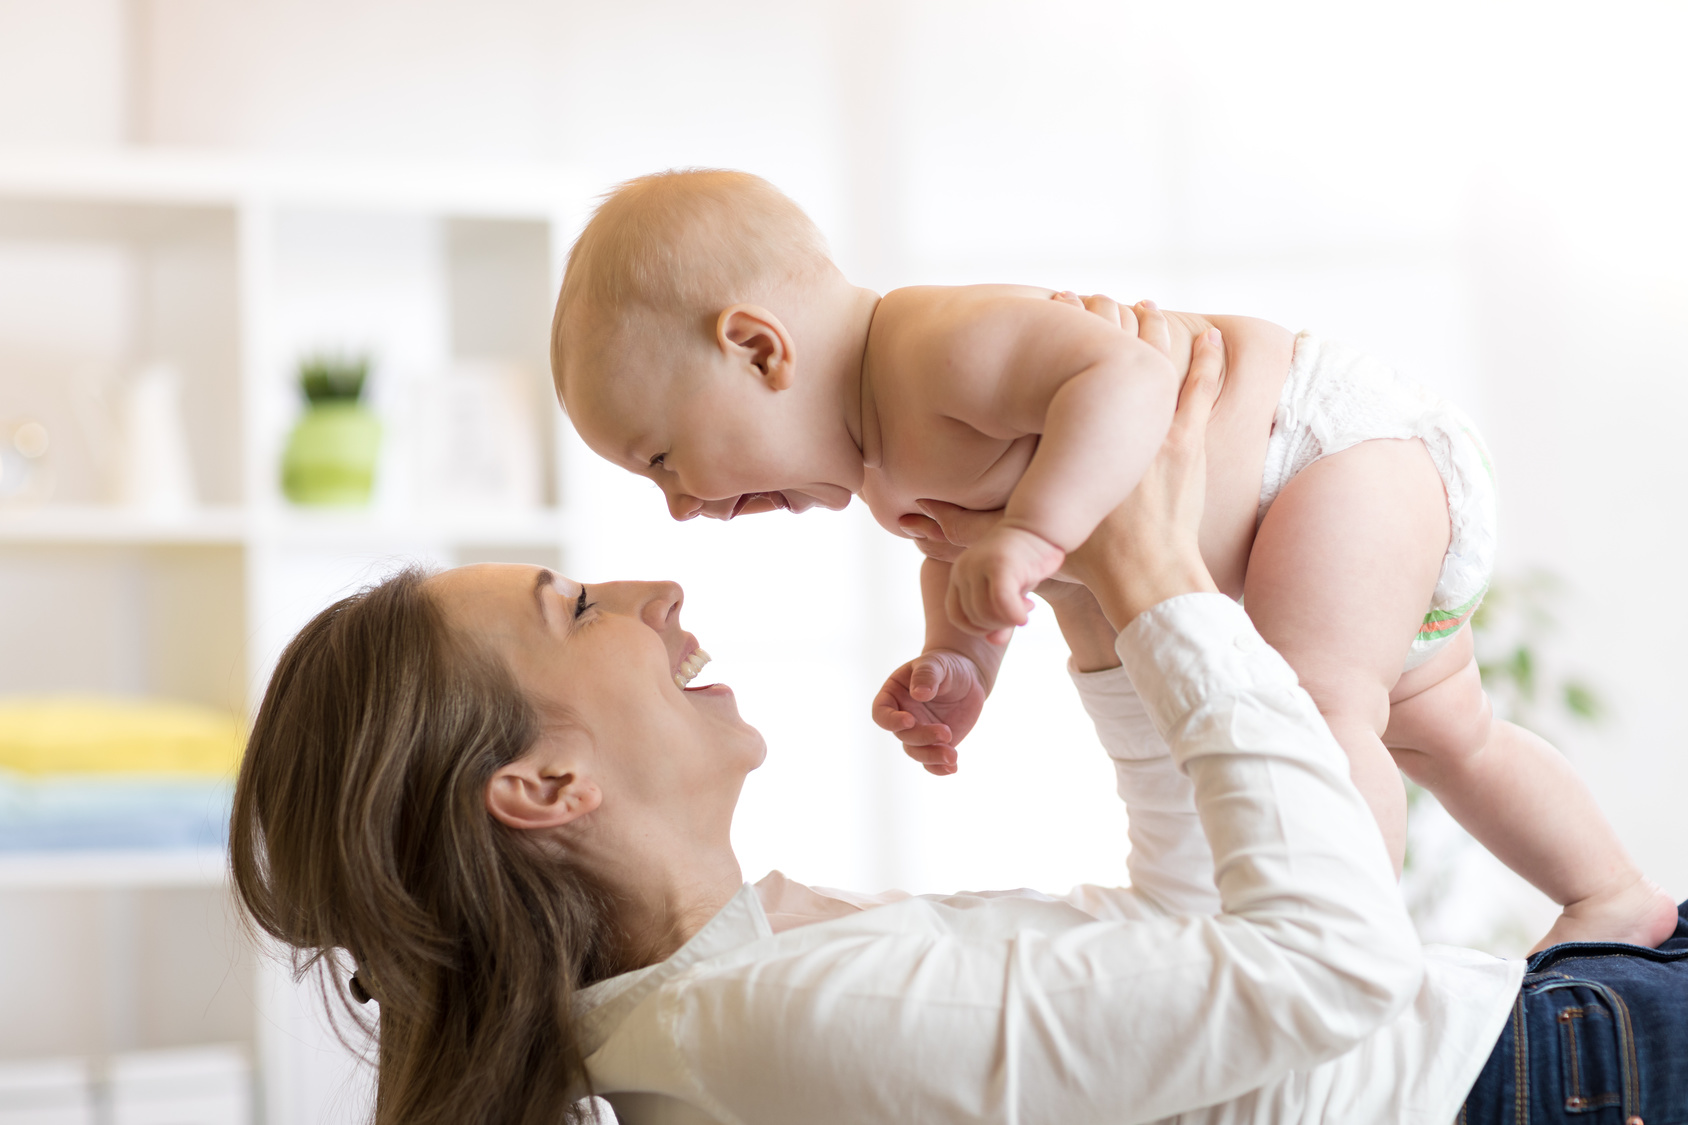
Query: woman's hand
[(1143, 320), (1145, 551)]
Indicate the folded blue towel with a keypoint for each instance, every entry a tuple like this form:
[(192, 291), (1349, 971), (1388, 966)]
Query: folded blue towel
[(111, 812)]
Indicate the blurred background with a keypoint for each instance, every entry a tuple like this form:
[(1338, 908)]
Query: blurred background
[(275, 282)]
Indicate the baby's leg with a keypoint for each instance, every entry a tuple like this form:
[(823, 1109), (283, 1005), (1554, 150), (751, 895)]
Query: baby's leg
[(1339, 577), (1522, 800)]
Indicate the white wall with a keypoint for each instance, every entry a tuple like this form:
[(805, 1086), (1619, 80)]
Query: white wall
[(1487, 194), (65, 73)]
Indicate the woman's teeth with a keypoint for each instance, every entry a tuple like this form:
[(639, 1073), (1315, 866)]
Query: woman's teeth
[(690, 667)]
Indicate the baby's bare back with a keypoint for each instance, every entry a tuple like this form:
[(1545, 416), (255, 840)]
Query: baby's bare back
[(923, 337)]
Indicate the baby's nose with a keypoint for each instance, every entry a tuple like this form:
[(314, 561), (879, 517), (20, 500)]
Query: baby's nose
[(683, 507)]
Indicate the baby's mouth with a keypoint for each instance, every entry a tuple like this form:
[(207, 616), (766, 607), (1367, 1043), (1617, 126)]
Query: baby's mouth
[(776, 500), (689, 668)]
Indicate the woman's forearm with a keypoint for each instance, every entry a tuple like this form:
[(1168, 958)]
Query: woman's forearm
[(1089, 636), (1297, 858), (1169, 861)]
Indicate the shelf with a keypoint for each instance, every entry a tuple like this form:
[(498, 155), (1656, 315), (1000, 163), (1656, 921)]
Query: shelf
[(232, 266), (97, 525), (186, 178), (93, 524), (300, 527), (95, 870)]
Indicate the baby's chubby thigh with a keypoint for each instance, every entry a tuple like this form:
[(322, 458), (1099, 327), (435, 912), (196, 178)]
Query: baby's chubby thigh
[(1339, 577), (1342, 570)]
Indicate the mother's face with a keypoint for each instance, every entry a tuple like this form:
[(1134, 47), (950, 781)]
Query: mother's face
[(610, 659)]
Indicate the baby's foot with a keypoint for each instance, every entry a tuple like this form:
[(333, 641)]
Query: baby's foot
[(1637, 913)]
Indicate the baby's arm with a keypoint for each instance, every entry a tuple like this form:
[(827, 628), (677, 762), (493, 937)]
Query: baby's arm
[(1101, 398), (933, 701)]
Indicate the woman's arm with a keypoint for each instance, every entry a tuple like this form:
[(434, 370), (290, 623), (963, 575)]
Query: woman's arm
[(1086, 629), (1169, 862), (1000, 1011), (1143, 552)]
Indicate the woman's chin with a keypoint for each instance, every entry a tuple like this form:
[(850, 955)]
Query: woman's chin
[(719, 699), (757, 752)]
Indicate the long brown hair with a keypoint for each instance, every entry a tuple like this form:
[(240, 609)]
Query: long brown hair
[(360, 825)]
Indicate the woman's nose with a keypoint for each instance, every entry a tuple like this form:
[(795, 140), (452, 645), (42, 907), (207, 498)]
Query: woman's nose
[(659, 604)]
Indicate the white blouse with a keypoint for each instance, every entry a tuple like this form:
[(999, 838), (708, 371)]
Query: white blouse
[(1260, 968)]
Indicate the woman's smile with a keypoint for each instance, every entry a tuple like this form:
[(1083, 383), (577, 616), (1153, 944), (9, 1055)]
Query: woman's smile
[(691, 665), (608, 654)]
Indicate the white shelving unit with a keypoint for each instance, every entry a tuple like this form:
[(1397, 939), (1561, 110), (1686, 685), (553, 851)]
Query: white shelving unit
[(105, 870), (231, 270)]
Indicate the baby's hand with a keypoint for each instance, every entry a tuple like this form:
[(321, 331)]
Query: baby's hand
[(990, 581), (930, 704)]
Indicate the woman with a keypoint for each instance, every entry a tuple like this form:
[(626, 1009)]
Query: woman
[(496, 791)]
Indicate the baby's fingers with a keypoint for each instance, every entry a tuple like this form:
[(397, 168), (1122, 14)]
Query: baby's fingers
[(938, 760), (956, 610), (927, 678), (910, 731), (1005, 605), (888, 715), (925, 734), (981, 607)]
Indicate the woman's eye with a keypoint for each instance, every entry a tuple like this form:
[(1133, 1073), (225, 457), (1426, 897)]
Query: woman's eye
[(580, 605)]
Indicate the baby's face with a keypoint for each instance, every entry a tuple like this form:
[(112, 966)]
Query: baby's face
[(718, 441)]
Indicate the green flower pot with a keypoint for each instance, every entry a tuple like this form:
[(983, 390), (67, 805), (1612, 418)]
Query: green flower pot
[(330, 457)]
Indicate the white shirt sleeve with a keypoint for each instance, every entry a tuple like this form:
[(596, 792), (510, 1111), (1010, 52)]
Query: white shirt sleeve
[(1169, 862), (949, 1010)]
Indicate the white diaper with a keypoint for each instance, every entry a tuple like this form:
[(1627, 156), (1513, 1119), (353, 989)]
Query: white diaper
[(1336, 397)]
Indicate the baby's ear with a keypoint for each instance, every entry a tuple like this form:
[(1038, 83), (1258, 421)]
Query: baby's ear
[(757, 335)]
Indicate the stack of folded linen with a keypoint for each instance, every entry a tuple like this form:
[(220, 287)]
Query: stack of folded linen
[(46, 1092), (80, 773), (184, 1086)]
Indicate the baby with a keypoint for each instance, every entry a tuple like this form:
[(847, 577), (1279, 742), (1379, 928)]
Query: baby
[(704, 339)]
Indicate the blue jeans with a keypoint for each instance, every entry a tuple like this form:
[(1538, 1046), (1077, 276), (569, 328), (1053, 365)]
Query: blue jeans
[(1598, 1036)]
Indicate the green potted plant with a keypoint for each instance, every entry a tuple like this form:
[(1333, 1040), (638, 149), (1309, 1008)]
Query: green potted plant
[(330, 455)]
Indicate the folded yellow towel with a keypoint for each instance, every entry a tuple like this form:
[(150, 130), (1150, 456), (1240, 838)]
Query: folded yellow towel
[(92, 734)]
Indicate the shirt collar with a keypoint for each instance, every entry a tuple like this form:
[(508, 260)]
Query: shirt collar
[(602, 1006)]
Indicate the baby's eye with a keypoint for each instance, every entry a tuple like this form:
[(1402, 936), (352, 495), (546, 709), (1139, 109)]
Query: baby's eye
[(658, 460)]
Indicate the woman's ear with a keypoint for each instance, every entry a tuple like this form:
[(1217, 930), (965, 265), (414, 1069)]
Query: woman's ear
[(546, 787), (754, 330)]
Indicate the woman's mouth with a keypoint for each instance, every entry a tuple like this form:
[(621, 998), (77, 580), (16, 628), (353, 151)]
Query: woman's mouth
[(689, 668), (775, 501)]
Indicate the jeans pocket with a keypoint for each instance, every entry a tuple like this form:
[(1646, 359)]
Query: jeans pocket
[(1596, 1047)]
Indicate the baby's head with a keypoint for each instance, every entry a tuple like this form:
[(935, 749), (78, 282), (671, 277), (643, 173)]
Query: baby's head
[(675, 348)]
